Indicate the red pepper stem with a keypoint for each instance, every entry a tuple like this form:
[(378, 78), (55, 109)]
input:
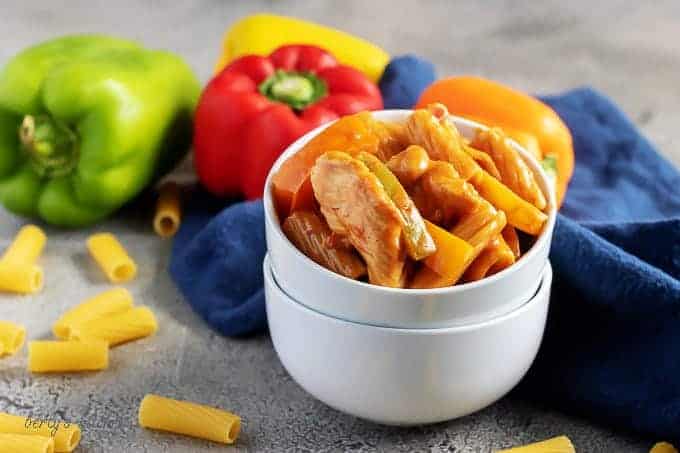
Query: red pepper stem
[(296, 89), (51, 145)]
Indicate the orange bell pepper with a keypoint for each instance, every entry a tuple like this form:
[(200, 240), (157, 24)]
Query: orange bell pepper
[(524, 118), (352, 134)]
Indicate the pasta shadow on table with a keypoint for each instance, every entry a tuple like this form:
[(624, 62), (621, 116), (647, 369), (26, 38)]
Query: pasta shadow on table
[(90, 272), (162, 293)]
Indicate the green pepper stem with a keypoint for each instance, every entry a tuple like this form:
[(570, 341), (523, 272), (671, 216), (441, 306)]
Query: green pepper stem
[(52, 147), (296, 89)]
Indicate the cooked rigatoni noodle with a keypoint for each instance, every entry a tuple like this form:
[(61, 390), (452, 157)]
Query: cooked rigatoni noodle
[(510, 237), (168, 210), (12, 338), (27, 245), (494, 258), (20, 278), (24, 443), (138, 322), (431, 129), (182, 417), (108, 303), (505, 257), (66, 435), (66, 356), (112, 257), (479, 226), (560, 444), (514, 171)]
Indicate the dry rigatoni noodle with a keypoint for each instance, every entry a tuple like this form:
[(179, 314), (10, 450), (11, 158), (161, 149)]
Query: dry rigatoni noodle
[(20, 278), (108, 303), (12, 337), (168, 210), (112, 257), (560, 444), (27, 246), (67, 356), (191, 419), (134, 323), (66, 435), (24, 443)]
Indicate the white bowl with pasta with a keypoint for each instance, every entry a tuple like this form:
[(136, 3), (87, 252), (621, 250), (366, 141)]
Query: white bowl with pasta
[(333, 294), (405, 376)]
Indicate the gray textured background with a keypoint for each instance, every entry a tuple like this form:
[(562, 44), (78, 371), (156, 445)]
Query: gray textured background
[(627, 49)]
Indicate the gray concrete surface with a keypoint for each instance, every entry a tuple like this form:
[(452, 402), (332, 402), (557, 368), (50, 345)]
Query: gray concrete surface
[(627, 49)]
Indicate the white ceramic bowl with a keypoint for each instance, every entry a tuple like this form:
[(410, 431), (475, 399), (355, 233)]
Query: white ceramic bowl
[(341, 297), (405, 376)]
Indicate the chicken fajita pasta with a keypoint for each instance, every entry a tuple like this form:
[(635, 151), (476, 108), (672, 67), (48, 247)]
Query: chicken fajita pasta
[(409, 205)]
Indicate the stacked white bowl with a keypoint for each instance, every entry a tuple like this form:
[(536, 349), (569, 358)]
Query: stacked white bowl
[(405, 356)]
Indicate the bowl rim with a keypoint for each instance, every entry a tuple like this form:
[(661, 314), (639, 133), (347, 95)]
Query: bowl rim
[(541, 241), (543, 292)]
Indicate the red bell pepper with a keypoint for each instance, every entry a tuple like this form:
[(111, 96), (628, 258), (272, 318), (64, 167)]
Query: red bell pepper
[(252, 110)]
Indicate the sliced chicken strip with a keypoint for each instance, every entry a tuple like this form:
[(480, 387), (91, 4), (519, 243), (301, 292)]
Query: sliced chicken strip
[(356, 204), (419, 243)]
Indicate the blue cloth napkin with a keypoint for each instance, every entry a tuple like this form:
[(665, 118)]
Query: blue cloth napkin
[(611, 350), (612, 346)]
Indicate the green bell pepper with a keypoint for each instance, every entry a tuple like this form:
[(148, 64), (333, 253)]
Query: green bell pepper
[(87, 122)]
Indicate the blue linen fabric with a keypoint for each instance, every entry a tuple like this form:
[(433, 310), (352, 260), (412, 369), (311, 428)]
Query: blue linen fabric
[(217, 263), (611, 350)]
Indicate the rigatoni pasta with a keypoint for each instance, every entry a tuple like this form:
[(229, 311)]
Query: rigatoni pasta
[(12, 337), (22, 278), (24, 443), (66, 436), (18, 271), (112, 257), (27, 246), (182, 417), (168, 214), (560, 444), (510, 237), (108, 303), (494, 258), (134, 323), (67, 356)]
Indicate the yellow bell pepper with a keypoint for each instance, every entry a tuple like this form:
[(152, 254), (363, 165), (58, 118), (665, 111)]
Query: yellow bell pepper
[(521, 214), (447, 264), (260, 34)]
